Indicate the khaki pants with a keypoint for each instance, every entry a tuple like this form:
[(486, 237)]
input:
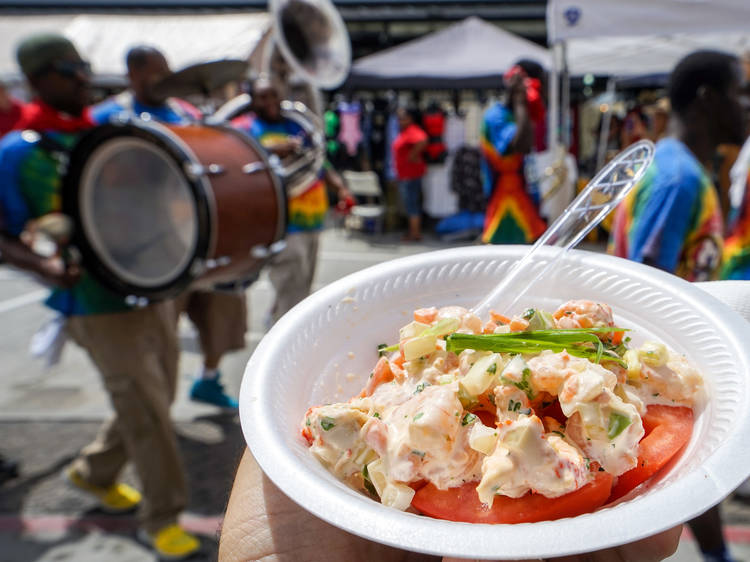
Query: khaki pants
[(220, 318), (291, 271), (137, 354)]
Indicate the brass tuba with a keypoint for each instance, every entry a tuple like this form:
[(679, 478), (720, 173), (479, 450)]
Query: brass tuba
[(307, 42)]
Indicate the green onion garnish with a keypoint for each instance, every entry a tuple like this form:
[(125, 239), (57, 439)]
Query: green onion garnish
[(582, 343)]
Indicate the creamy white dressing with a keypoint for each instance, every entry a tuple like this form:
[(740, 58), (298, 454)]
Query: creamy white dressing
[(419, 426)]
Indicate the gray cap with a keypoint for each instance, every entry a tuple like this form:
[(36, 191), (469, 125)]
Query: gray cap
[(38, 51)]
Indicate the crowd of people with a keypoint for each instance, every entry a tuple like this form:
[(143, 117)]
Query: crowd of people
[(672, 220)]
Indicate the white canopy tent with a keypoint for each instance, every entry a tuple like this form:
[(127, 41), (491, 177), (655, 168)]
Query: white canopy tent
[(570, 19), (469, 54), (637, 37), (103, 39)]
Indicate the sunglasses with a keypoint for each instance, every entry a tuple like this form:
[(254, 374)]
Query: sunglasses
[(69, 69)]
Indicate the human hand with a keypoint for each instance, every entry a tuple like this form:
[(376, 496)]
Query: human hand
[(261, 523), (288, 147), (55, 272)]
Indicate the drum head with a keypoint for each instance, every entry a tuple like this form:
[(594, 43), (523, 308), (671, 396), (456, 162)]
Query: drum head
[(140, 218)]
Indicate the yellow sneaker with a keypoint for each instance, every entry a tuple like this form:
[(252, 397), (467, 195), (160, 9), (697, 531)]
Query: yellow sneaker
[(117, 498), (173, 542)]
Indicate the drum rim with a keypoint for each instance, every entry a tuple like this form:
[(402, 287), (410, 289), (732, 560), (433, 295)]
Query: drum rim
[(133, 126), (103, 149)]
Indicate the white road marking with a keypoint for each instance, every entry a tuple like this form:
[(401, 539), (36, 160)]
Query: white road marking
[(23, 300)]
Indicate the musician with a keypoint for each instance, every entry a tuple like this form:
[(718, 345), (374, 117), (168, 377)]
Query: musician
[(135, 350), (219, 316), (292, 270)]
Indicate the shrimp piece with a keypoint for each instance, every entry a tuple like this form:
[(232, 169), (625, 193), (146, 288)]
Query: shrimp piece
[(470, 323), (583, 314)]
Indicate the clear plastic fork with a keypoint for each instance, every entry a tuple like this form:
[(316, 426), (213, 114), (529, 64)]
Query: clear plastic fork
[(600, 196)]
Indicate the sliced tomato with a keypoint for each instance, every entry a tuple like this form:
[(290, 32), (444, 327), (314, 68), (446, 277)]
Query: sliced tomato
[(554, 410), (488, 418), (462, 503), (667, 428)]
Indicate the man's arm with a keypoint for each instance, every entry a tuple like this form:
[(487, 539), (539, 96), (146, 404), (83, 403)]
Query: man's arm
[(52, 270)]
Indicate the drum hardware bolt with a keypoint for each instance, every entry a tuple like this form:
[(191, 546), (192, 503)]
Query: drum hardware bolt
[(194, 171), (253, 168), (223, 260), (136, 302), (210, 264), (215, 169), (260, 252), (277, 247), (197, 268)]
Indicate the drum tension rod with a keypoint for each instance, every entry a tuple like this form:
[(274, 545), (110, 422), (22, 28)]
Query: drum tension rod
[(197, 170), (253, 168)]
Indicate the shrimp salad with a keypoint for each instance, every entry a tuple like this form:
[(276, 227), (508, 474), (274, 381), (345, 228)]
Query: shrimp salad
[(474, 421)]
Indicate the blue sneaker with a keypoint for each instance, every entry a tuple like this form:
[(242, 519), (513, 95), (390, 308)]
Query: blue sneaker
[(211, 391)]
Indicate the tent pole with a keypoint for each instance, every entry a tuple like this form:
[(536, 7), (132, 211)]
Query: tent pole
[(565, 98), (605, 125), (553, 122)]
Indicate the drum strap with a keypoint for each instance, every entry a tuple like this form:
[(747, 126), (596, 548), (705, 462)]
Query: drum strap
[(56, 150)]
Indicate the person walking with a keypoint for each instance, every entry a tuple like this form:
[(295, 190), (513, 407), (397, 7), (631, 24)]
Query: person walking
[(220, 316), (134, 349), (292, 270), (510, 131), (672, 219), (408, 157)]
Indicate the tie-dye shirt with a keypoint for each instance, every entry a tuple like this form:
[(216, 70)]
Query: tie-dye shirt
[(173, 111), (31, 186), (736, 259), (512, 216), (306, 210), (672, 218)]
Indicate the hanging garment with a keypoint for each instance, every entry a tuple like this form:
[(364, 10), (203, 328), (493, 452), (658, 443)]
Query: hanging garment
[(473, 122), (350, 134), (439, 200), (433, 122), (466, 179), (455, 133), (332, 126)]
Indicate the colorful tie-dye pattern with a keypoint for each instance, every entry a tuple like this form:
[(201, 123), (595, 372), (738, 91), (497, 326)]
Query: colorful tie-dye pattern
[(672, 218), (307, 211), (512, 216), (736, 258), (30, 186)]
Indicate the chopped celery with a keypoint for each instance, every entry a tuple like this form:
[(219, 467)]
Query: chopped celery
[(617, 424)]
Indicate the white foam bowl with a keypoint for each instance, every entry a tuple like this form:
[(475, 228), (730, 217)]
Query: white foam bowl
[(323, 350)]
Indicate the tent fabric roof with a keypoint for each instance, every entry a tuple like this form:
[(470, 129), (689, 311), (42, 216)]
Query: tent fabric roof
[(568, 19), (644, 38), (651, 55), (104, 39), (469, 54)]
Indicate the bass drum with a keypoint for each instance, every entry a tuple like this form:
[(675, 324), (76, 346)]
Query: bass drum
[(159, 208)]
